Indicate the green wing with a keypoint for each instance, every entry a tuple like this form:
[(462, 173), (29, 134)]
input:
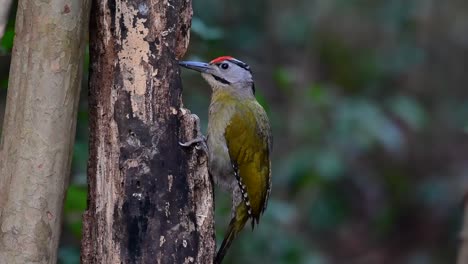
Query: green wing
[(248, 140)]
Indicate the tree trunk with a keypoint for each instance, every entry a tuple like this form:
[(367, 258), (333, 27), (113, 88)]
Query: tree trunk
[(39, 127), (150, 200)]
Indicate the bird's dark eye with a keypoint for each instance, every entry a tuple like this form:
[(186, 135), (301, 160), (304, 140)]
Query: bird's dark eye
[(224, 66)]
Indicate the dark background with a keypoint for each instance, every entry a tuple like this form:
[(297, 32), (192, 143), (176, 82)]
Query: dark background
[(368, 105)]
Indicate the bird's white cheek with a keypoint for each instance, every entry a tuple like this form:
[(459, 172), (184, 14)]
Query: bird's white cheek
[(207, 77)]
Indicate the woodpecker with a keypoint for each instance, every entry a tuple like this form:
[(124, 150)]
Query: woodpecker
[(238, 142)]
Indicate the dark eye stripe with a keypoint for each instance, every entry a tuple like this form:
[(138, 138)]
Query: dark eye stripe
[(241, 64)]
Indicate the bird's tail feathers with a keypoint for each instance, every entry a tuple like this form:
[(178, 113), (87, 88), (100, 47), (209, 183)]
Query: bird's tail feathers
[(235, 226)]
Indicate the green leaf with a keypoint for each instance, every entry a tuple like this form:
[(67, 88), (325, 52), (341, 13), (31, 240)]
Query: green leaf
[(75, 204), (410, 111), (76, 199), (282, 78), (317, 93), (4, 83), (7, 40)]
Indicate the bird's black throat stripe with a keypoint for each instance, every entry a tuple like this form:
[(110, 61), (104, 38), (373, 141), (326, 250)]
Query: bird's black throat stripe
[(221, 80)]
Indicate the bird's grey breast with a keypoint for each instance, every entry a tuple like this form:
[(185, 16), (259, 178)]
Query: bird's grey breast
[(220, 165)]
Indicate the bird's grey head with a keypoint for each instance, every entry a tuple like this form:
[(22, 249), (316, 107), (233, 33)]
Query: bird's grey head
[(225, 72)]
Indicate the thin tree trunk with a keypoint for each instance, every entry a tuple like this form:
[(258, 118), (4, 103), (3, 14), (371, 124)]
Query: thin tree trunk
[(150, 200), (39, 127)]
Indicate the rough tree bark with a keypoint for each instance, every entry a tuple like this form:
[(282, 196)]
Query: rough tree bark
[(150, 200), (39, 127)]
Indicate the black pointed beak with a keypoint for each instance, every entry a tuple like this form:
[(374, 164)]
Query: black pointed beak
[(195, 65)]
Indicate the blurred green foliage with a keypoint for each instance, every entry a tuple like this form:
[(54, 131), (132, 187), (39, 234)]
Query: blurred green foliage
[(368, 105)]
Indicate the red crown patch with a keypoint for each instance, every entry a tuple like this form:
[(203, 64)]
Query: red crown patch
[(220, 59)]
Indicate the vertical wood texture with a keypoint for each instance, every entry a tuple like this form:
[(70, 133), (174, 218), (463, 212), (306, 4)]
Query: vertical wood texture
[(150, 200), (39, 127)]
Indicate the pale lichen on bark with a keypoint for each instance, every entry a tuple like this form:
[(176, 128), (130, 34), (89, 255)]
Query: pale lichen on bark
[(134, 55)]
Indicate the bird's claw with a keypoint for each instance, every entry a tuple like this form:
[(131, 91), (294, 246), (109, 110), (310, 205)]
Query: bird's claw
[(193, 141), (200, 139)]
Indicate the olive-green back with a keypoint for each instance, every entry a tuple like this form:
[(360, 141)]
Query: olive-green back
[(248, 140)]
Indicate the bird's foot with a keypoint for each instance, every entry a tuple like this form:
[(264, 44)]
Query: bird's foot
[(200, 142)]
